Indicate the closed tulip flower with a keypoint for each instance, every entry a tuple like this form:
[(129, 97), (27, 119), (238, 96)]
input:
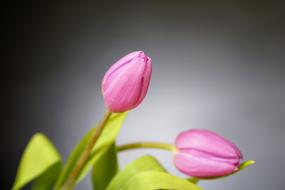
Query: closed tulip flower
[(202, 153), (125, 84)]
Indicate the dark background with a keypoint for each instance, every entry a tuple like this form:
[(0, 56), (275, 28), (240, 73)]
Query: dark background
[(216, 65)]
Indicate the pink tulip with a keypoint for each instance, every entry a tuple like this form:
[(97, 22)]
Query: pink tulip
[(202, 153), (125, 84)]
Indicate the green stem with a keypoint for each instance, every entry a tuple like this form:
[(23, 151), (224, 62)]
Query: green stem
[(194, 180), (156, 145), (70, 182)]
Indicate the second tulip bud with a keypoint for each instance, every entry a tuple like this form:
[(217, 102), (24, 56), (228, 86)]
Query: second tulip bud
[(203, 153)]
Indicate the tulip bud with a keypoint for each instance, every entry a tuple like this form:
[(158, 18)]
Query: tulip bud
[(125, 84), (202, 153)]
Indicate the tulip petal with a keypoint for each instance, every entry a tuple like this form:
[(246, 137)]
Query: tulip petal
[(126, 59), (207, 141), (196, 166), (145, 81)]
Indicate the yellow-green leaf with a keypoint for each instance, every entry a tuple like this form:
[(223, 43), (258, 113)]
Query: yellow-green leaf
[(151, 180), (39, 155), (147, 173), (142, 164), (47, 180)]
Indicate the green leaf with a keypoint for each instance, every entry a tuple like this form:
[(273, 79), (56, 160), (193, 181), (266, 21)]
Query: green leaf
[(145, 163), (47, 180), (105, 168), (147, 173), (107, 138), (151, 180), (39, 156)]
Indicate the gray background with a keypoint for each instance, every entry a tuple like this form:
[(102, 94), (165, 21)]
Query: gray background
[(216, 64)]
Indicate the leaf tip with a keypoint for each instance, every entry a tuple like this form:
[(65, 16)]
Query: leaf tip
[(246, 164)]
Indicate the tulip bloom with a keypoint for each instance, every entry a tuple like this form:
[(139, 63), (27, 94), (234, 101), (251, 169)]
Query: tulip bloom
[(202, 153), (125, 84)]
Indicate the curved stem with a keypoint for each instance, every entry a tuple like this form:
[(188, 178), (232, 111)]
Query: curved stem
[(70, 182), (156, 145)]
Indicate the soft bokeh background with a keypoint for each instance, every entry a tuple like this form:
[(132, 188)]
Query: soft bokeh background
[(216, 64)]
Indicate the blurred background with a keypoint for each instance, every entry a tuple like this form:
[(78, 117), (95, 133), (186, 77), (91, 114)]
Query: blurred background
[(216, 64)]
